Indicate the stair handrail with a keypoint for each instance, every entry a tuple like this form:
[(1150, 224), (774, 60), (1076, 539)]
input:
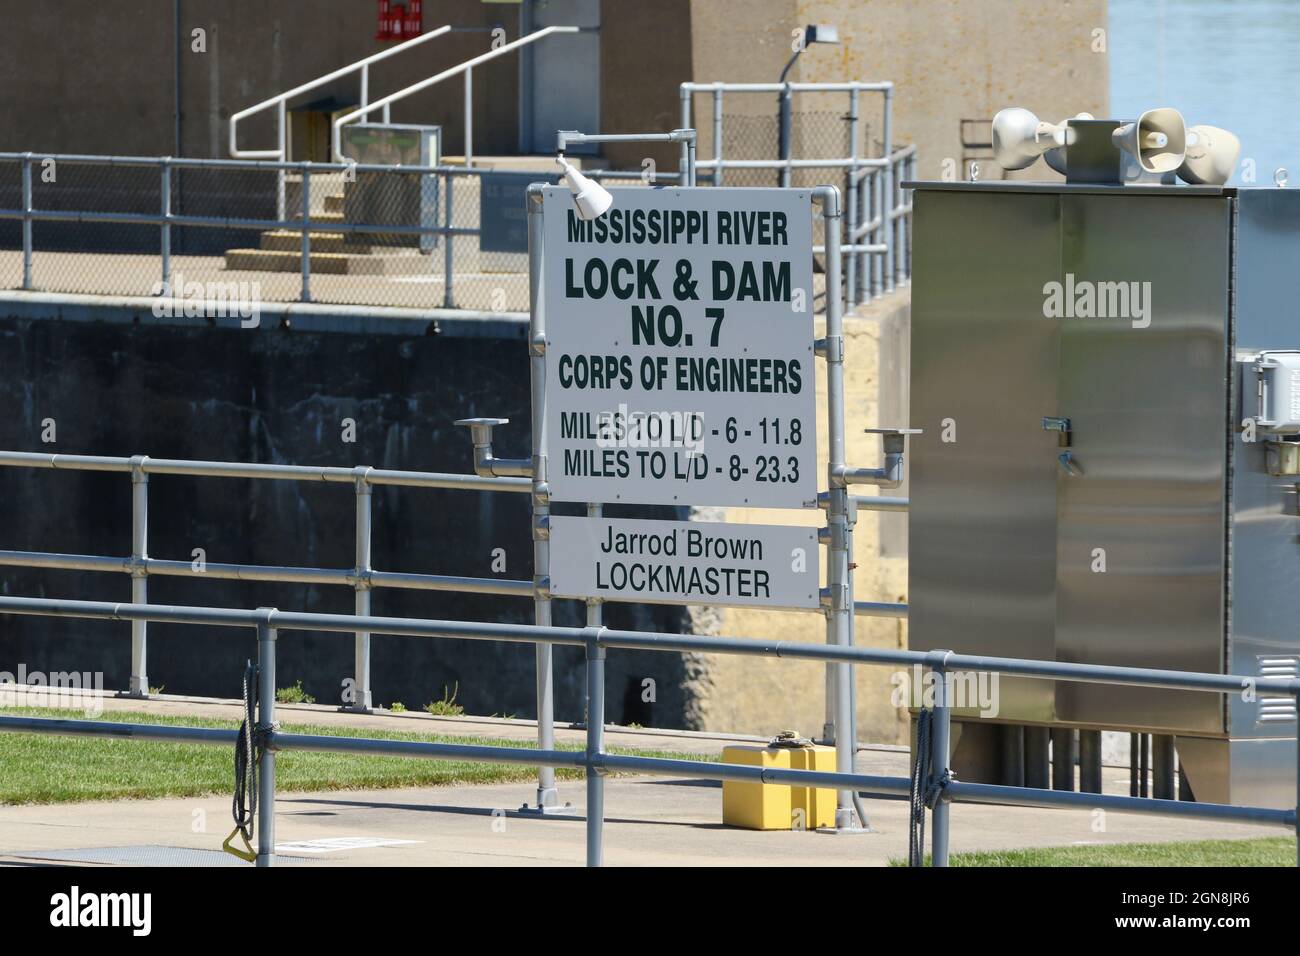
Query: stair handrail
[(466, 68), (280, 99)]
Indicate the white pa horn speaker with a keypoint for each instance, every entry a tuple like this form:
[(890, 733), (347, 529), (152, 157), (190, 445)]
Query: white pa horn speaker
[(1211, 156), (1019, 138), (1157, 140)]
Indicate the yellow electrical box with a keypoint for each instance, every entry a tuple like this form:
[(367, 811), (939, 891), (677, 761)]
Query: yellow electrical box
[(774, 806)]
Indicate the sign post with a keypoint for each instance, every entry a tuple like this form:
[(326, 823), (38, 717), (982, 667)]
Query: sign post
[(673, 363)]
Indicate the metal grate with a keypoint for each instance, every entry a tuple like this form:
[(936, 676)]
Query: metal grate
[(1278, 710)]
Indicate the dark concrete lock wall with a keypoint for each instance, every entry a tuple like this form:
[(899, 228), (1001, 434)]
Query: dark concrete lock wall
[(190, 390)]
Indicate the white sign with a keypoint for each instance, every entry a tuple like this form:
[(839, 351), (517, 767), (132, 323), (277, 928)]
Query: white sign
[(679, 348), (684, 562)]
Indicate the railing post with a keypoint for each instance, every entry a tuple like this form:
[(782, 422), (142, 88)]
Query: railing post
[(166, 210), (595, 606), (851, 206), (362, 698), (865, 185), (139, 685), (717, 135), (906, 224), (887, 207), (878, 231), (839, 574), (595, 609), (283, 149), (939, 747), (548, 797), (469, 118), (305, 294), (265, 725), (447, 258), (27, 221), (595, 747)]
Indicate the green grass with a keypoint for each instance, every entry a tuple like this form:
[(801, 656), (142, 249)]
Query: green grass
[(41, 768), (1266, 851)]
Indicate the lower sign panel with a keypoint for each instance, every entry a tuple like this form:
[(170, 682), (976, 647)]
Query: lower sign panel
[(684, 562)]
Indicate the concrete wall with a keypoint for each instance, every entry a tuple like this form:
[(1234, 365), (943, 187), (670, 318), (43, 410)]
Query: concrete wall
[(953, 61), (86, 76), (765, 696), (92, 77), (188, 390), (646, 52), (948, 62)]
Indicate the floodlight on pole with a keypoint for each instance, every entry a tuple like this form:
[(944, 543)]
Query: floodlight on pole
[(589, 197)]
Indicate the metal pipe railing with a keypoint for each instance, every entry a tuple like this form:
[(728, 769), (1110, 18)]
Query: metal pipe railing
[(467, 67), (165, 219), (362, 577), (280, 99), (871, 267), (596, 640)]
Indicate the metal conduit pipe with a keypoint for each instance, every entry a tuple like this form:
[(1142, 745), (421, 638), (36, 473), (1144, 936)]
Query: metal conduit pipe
[(485, 463), (640, 640), (891, 475), (101, 728), (257, 572), (879, 609), (233, 469)]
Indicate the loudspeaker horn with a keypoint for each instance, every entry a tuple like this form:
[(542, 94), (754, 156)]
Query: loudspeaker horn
[(1157, 140), (1211, 156), (1019, 138)]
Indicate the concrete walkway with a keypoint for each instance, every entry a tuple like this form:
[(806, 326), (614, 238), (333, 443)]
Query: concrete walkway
[(649, 820)]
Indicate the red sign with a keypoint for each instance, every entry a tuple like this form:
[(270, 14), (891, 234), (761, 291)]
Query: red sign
[(398, 21)]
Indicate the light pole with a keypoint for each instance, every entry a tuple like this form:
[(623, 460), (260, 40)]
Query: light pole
[(812, 33)]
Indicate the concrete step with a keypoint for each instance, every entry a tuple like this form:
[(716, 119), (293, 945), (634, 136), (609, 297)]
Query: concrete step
[(286, 240), (328, 263), (334, 202)]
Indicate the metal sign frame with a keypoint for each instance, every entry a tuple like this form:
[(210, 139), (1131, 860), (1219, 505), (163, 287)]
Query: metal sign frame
[(837, 600)]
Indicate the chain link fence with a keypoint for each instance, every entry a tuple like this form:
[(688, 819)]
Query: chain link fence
[(407, 237), (837, 134), (185, 231)]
